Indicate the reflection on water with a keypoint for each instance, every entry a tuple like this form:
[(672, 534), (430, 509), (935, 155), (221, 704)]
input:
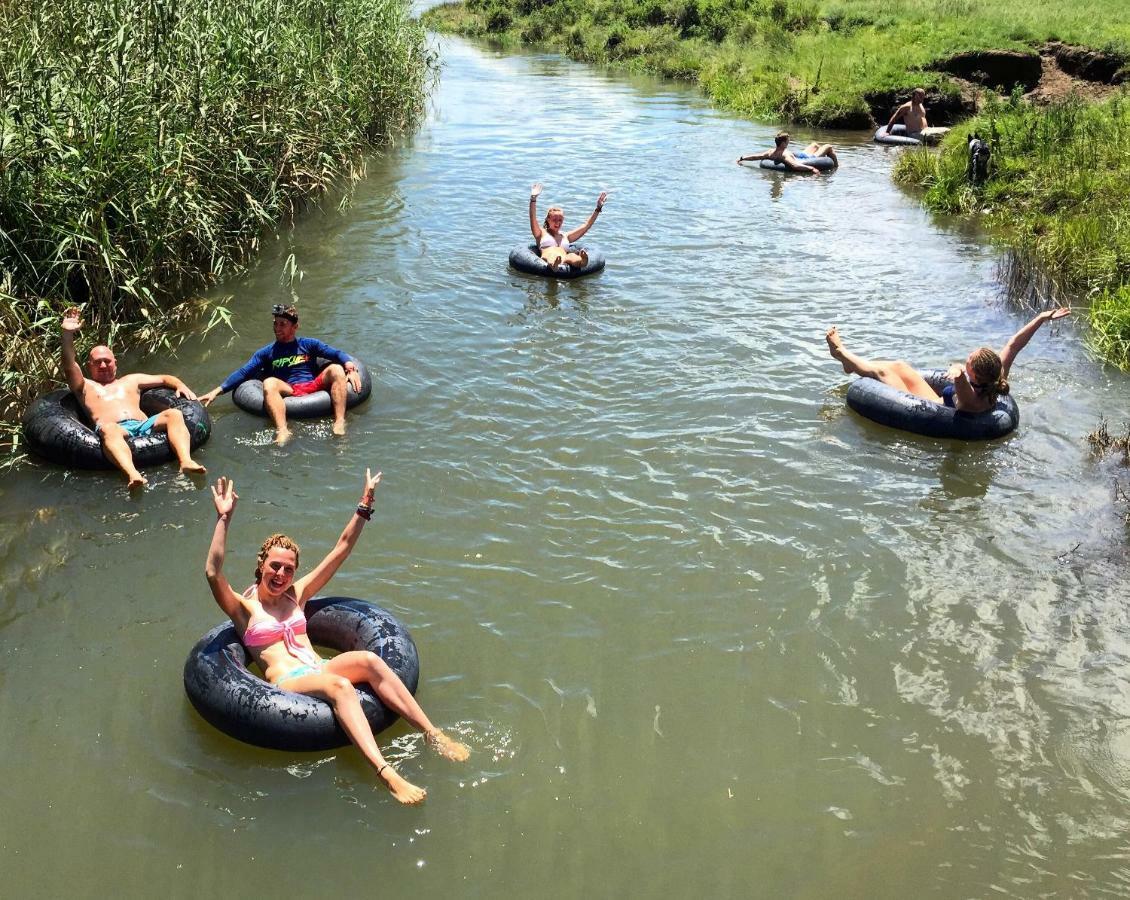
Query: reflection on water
[(705, 629)]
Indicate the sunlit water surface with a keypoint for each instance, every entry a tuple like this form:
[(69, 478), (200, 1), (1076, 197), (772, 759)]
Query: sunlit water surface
[(707, 632)]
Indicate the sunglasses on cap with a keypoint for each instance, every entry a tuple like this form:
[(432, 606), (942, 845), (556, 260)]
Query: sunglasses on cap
[(286, 312)]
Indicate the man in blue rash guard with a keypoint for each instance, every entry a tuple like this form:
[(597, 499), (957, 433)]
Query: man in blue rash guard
[(289, 367)]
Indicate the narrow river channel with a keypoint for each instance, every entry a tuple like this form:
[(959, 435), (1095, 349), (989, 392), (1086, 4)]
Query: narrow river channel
[(707, 632)]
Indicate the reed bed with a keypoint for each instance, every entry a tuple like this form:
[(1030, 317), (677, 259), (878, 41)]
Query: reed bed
[(147, 145), (1058, 196)]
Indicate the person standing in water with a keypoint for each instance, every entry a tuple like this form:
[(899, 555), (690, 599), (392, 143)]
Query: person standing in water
[(270, 619)]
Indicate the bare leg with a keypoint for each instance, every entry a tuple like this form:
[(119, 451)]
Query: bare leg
[(274, 392), (116, 447), (554, 256), (334, 380), (825, 150), (361, 666), (343, 698), (580, 259), (171, 421), (897, 374)]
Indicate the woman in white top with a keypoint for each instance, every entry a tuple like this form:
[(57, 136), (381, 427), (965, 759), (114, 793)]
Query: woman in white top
[(553, 243)]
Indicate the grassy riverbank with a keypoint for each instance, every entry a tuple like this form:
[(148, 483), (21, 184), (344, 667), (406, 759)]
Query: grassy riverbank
[(823, 62), (146, 147), (1059, 198)]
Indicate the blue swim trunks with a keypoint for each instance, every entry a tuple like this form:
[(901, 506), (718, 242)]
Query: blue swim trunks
[(800, 155), (135, 427)]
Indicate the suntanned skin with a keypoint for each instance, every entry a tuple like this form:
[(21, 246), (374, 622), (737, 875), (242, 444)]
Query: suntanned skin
[(275, 390), (559, 257), (904, 377), (781, 153), (276, 596), (912, 113), (109, 399)]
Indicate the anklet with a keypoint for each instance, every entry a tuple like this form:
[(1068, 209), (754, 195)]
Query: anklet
[(382, 768)]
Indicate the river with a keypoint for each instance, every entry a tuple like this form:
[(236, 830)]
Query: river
[(706, 631)]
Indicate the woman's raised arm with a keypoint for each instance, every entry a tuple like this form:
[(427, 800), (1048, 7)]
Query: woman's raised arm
[(535, 226), (225, 498), (1020, 340), (577, 233), (309, 585)]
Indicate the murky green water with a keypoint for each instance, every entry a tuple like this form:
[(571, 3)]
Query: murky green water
[(707, 632)]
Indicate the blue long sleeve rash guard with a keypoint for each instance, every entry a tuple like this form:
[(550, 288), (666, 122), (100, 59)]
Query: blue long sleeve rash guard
[(294, 362)]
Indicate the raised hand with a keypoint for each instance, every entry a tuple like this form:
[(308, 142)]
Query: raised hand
[(535, 190), (371, 482), (1054, 314), (72, 319), (225, 497), (600, 200)]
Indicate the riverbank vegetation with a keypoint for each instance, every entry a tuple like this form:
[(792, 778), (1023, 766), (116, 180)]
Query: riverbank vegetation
[(831, 63), (146, 147), (1058, 197)]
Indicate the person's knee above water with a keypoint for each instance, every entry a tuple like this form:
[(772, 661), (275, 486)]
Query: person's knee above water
[(794, 160), (113, 404), (554, 244), (271, 621), (976, 384), (289, 367)]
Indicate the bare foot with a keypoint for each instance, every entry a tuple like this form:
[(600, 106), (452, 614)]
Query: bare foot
[(136, 481), (339, 428), (192, 467), (282, 437), (404, 791), (836, 347), (446, 747)]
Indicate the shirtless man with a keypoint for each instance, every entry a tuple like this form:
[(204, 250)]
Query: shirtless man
[(289, 367), (114, 404), (794, 161), (912, 114)]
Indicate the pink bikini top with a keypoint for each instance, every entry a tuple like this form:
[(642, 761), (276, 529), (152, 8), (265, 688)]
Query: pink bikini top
[(270, 631), (548, 240)]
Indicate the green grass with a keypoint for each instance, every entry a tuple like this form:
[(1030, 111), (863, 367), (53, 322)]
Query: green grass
[(794, 60), (1059, 197), (146, 145)]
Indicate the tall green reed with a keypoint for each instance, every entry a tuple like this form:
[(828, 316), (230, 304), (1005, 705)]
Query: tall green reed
[(146, 145)]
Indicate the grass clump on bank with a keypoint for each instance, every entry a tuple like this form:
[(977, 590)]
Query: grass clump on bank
[(823, 62), (1058, 195), (146, 146)]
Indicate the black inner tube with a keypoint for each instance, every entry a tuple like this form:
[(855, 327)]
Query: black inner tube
[(237, 702)]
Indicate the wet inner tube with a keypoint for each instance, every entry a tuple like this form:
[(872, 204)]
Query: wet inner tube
[(897, 409), (528, 259), (899, 137), (823, 163), (248, 396), (56, 428), (244, 706)]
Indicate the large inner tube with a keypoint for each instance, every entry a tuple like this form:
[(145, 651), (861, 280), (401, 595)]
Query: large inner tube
[(897, 409), (899, 137), (248, 396), (245, 707), (823, 163), (528, 259), (56, 428)]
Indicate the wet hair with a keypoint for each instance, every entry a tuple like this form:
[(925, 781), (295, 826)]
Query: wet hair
[(781, 137), (986, 366), (275, 540), (549, 212)]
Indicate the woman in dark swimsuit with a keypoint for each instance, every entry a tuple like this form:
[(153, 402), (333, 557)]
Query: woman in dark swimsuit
[(270, 619), (976, 385)]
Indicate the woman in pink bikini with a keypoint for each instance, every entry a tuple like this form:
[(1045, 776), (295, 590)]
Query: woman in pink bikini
[(270, 619), (555, 244)]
